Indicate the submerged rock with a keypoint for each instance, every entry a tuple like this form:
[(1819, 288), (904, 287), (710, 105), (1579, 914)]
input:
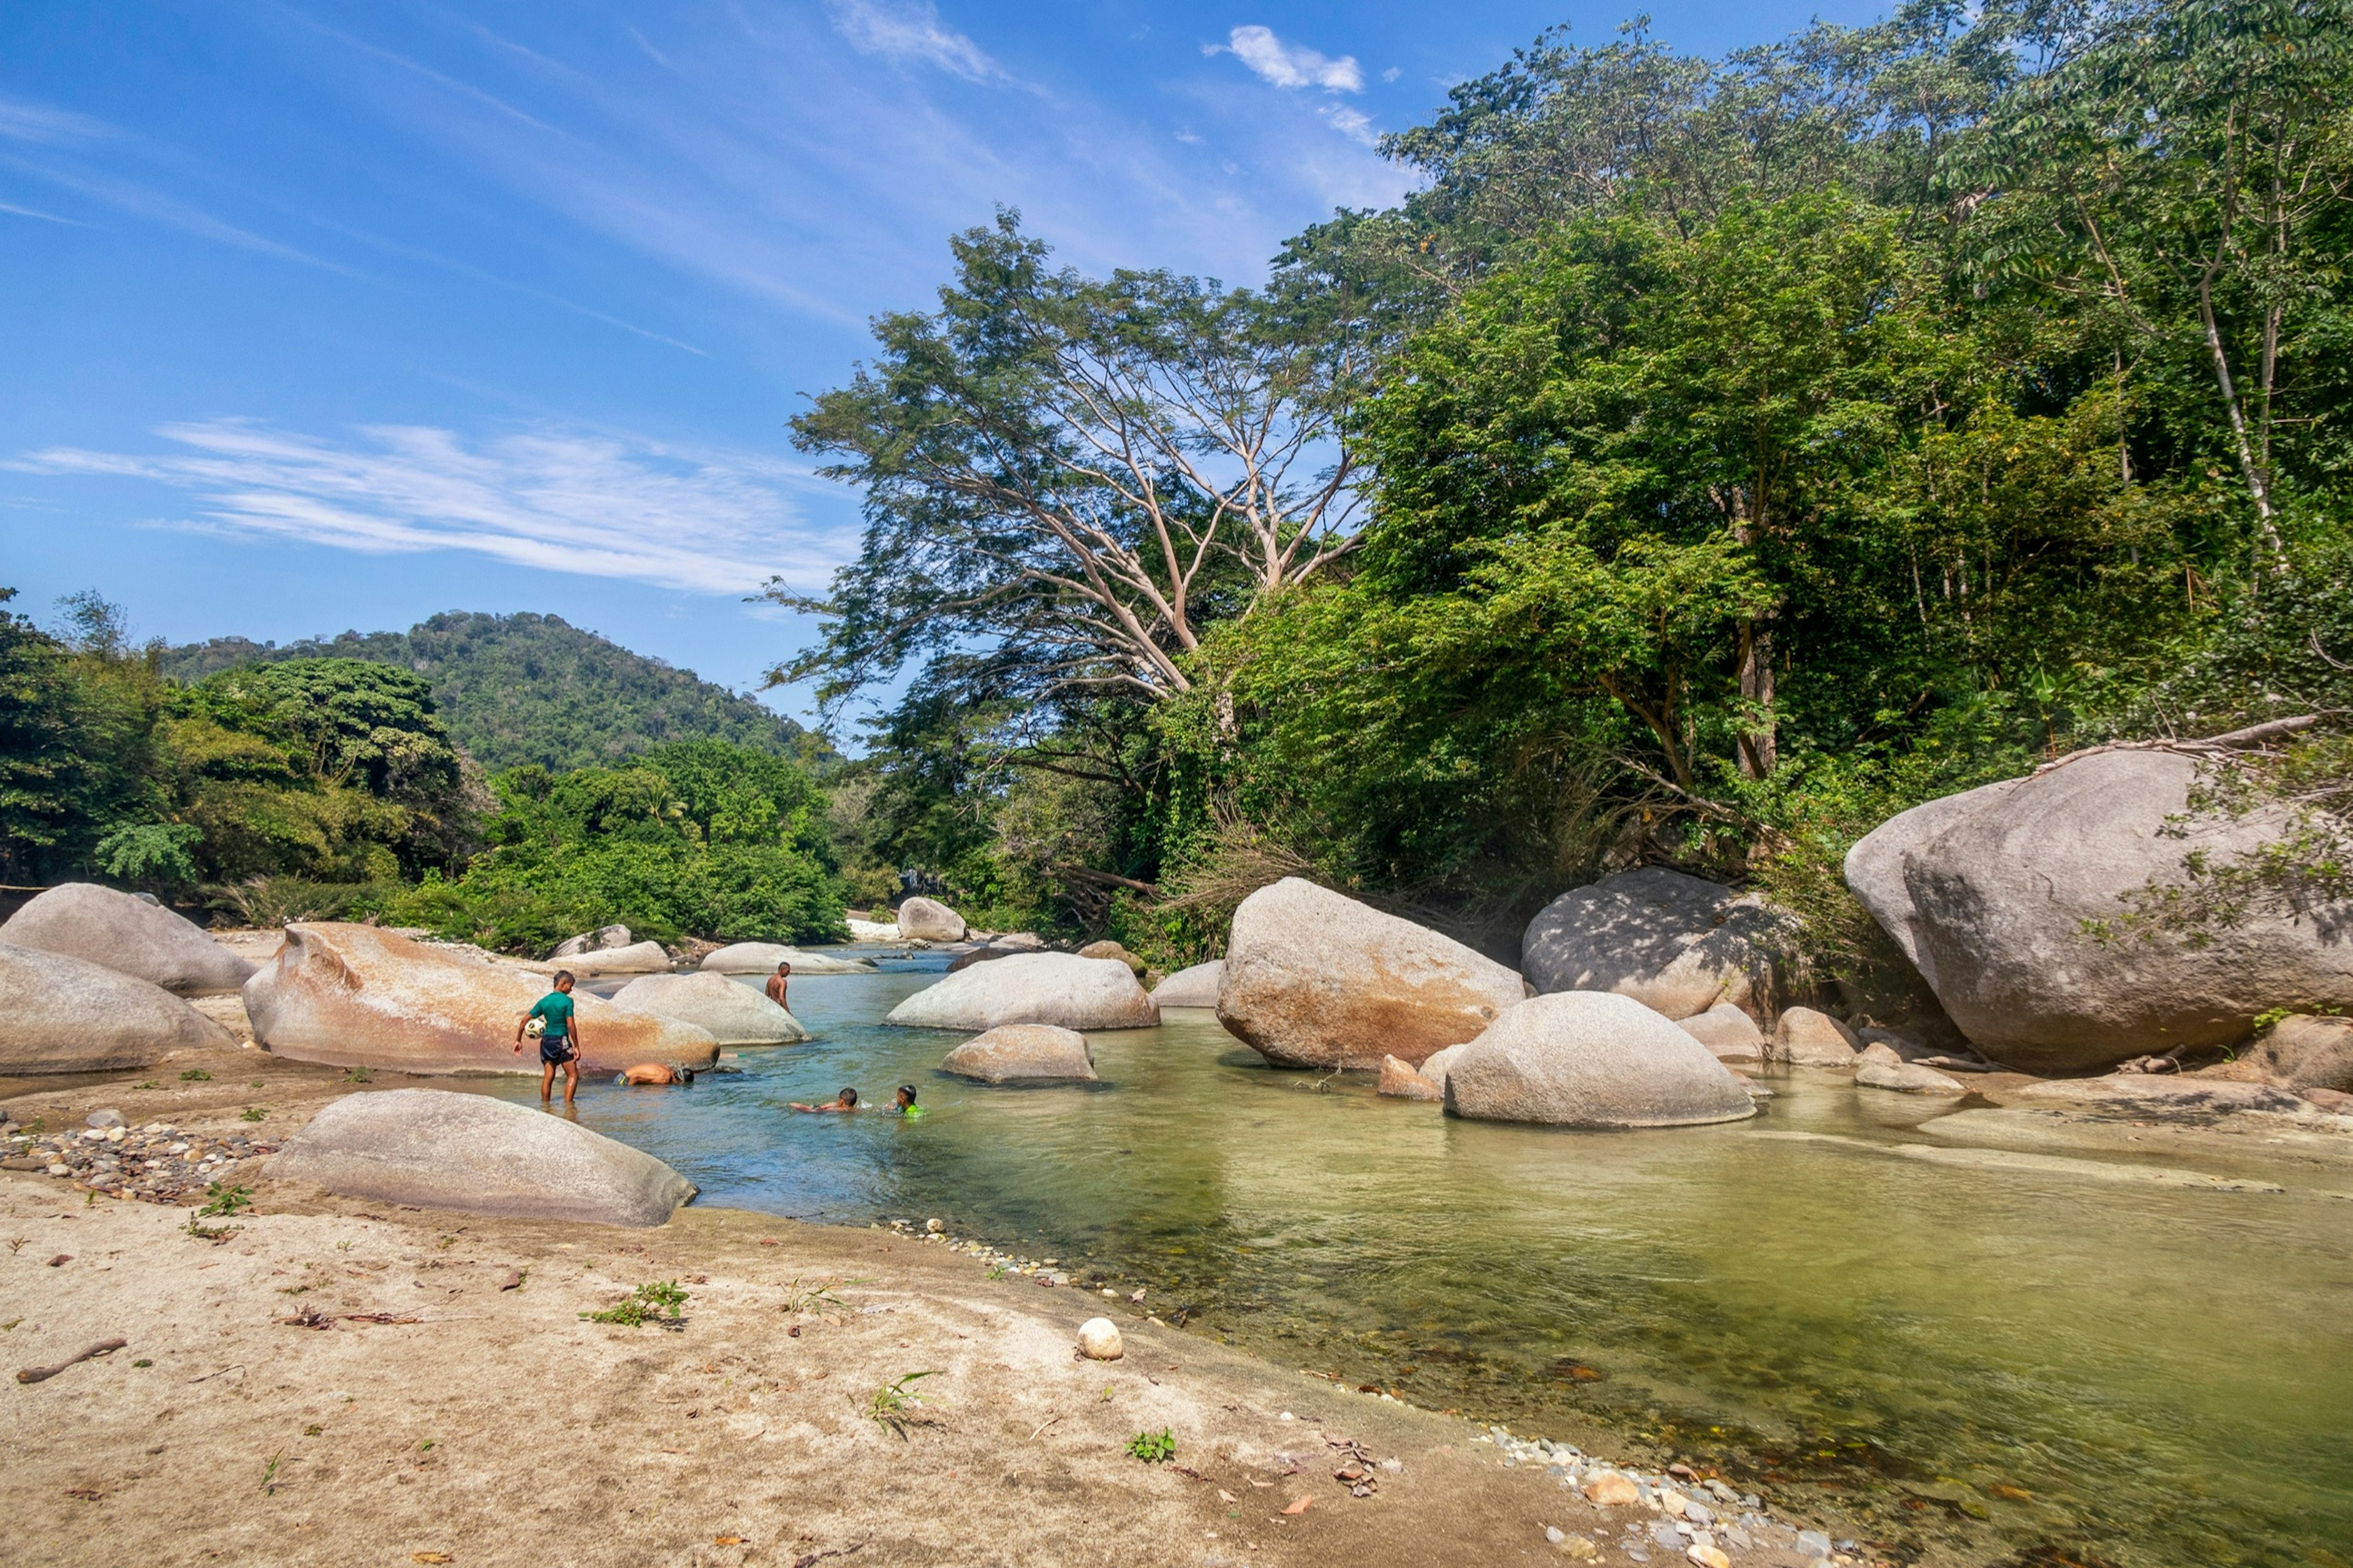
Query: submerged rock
[(1676, 943), (762, 958), (1990, 893), (354, 996), (1057, 988), (128, 934), (928, 920), (1905, 1077), (1194, 988), (1593, 1059), (1316, 979), (480, 1155), (1024, 1053), (730, 1012), (1400, 1081), (63, 1013)]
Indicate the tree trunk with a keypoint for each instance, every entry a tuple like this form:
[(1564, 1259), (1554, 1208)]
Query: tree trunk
[(1759, 750)]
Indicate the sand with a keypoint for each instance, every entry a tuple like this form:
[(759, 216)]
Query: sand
[(441, 1415)]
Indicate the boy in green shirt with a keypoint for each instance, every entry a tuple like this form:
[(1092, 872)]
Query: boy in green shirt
[(559, 1042)]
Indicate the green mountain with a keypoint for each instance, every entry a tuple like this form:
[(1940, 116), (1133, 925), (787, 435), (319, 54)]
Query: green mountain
[(532, 689)]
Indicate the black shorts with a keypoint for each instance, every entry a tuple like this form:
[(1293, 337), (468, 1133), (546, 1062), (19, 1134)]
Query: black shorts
[(556, 1050)]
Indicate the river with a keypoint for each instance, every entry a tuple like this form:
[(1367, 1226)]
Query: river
[(2049, 1365)]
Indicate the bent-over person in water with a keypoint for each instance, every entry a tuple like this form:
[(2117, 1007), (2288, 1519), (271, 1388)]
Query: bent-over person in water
[(846, 1100), (776, 984), (559, 1039), (652, 1075)]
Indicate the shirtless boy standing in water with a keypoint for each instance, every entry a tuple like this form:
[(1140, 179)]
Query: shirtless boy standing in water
[(559, 1045), (776, 984)]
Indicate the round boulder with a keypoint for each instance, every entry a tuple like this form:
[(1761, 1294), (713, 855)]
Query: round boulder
[(480, 1155), (637, 958), (762, 958), (1194, 988), (730, 1012), (1592, 1059), (63, 1013), (1729, 1034), (1676, 943), (1808, 1039), (1024, 1053), (1057, 988), (1995, 895), (129, 935), (928, 920), (1099, 1340), (2299, 1052), (1314, 979), (1113, 949), (1906, 1077), (354, 996)]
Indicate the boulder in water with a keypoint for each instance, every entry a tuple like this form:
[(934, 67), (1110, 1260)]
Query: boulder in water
[(354, 996), (928, 920), (1592, 1059), (1438, 1064), (1993, 894), (1113, 949), (1729, 1034), (1807, 1038), (1057, 988), (1314, 979), (762, 958), (604, 937), (2300, 1052), (1024, 1053), (128, 934), (1676, 943), (638, 958), (1400, 1081), (478, 1155), (63, 1013), (1905, 1077), (1194, 988), (731, 1013)]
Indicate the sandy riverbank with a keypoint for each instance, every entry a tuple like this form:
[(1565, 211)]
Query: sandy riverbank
[(494, 1425)]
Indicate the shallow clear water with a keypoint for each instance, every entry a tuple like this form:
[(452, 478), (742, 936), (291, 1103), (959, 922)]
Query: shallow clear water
[(1956, 1363)]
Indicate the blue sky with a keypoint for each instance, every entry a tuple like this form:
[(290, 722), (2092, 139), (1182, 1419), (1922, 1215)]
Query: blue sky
[(324, 316)]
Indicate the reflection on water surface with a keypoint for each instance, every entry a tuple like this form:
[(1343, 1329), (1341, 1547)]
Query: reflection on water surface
[(1971, 1364)]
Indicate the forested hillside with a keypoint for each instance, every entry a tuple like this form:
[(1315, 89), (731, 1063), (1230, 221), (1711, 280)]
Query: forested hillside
[(1710, 459), (527, 689)]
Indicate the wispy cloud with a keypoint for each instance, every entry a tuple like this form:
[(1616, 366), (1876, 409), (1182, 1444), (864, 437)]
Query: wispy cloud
[(698, 519), (1289, 64), (911, 30), (1350, 124), (46, 217), (23, 121)]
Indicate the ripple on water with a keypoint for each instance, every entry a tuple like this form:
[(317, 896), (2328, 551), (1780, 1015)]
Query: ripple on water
[(2007, 1360)]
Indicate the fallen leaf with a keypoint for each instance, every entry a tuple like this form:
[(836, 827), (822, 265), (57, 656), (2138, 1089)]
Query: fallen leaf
[(1302, 1506), (430, 1557), (726, 1541)]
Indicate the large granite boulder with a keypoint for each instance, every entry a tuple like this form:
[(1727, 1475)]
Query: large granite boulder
[(478, 1155), (1592, 1058), (602, 938), (1729, 1034), (1314, 979), (2299, 1053), (1194, 988), (1990, 893), (129, 935), (1678, 944), (63, 1013), (1057, 988), (762, 958), (928, 920), (354, 996), (1024, 1053), (637, 958), (1807, 1038), (730, 1012)]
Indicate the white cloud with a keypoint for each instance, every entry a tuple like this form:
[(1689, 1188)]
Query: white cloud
[(23, 121), (1289, 64), (1350, 124), (911, 30), (604, 505)]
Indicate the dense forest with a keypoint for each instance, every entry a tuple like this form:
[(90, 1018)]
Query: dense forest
[(304, 786), (527, 689), (1711, 458)]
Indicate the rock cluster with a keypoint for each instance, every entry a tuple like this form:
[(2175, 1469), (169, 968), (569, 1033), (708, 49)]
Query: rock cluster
[(1316, 979), (156, 1163)]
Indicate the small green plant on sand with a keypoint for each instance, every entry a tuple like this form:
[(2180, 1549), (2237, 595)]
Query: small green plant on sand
[(221, 1200), (204, 1232), (253, 1114), (149, 1084), (196, 1075), (269, 1473), (1153, 1447), (656, 1303), (800, 1297), (893, 1405), (357, 1075)]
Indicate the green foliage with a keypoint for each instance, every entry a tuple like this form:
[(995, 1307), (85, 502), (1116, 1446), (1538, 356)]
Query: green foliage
[(659, 1302), (892, 1405), (221, 1201), (697, 837), (532, 690), (151, 854), (1152, 1447)]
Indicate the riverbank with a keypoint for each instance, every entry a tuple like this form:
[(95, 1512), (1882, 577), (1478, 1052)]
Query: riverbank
[(330, 1381)]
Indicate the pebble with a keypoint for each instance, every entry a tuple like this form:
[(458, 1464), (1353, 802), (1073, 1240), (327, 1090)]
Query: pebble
[(1708, 1557), (103, 1119), (1554, 1534), (1611, 1489), (1099, 1340), (1813, 1544)]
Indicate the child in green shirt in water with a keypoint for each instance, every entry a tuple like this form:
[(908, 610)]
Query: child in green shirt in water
[(559, 1040)]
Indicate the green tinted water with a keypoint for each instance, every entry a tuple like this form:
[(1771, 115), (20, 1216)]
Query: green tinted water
[(1959, 1363)]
